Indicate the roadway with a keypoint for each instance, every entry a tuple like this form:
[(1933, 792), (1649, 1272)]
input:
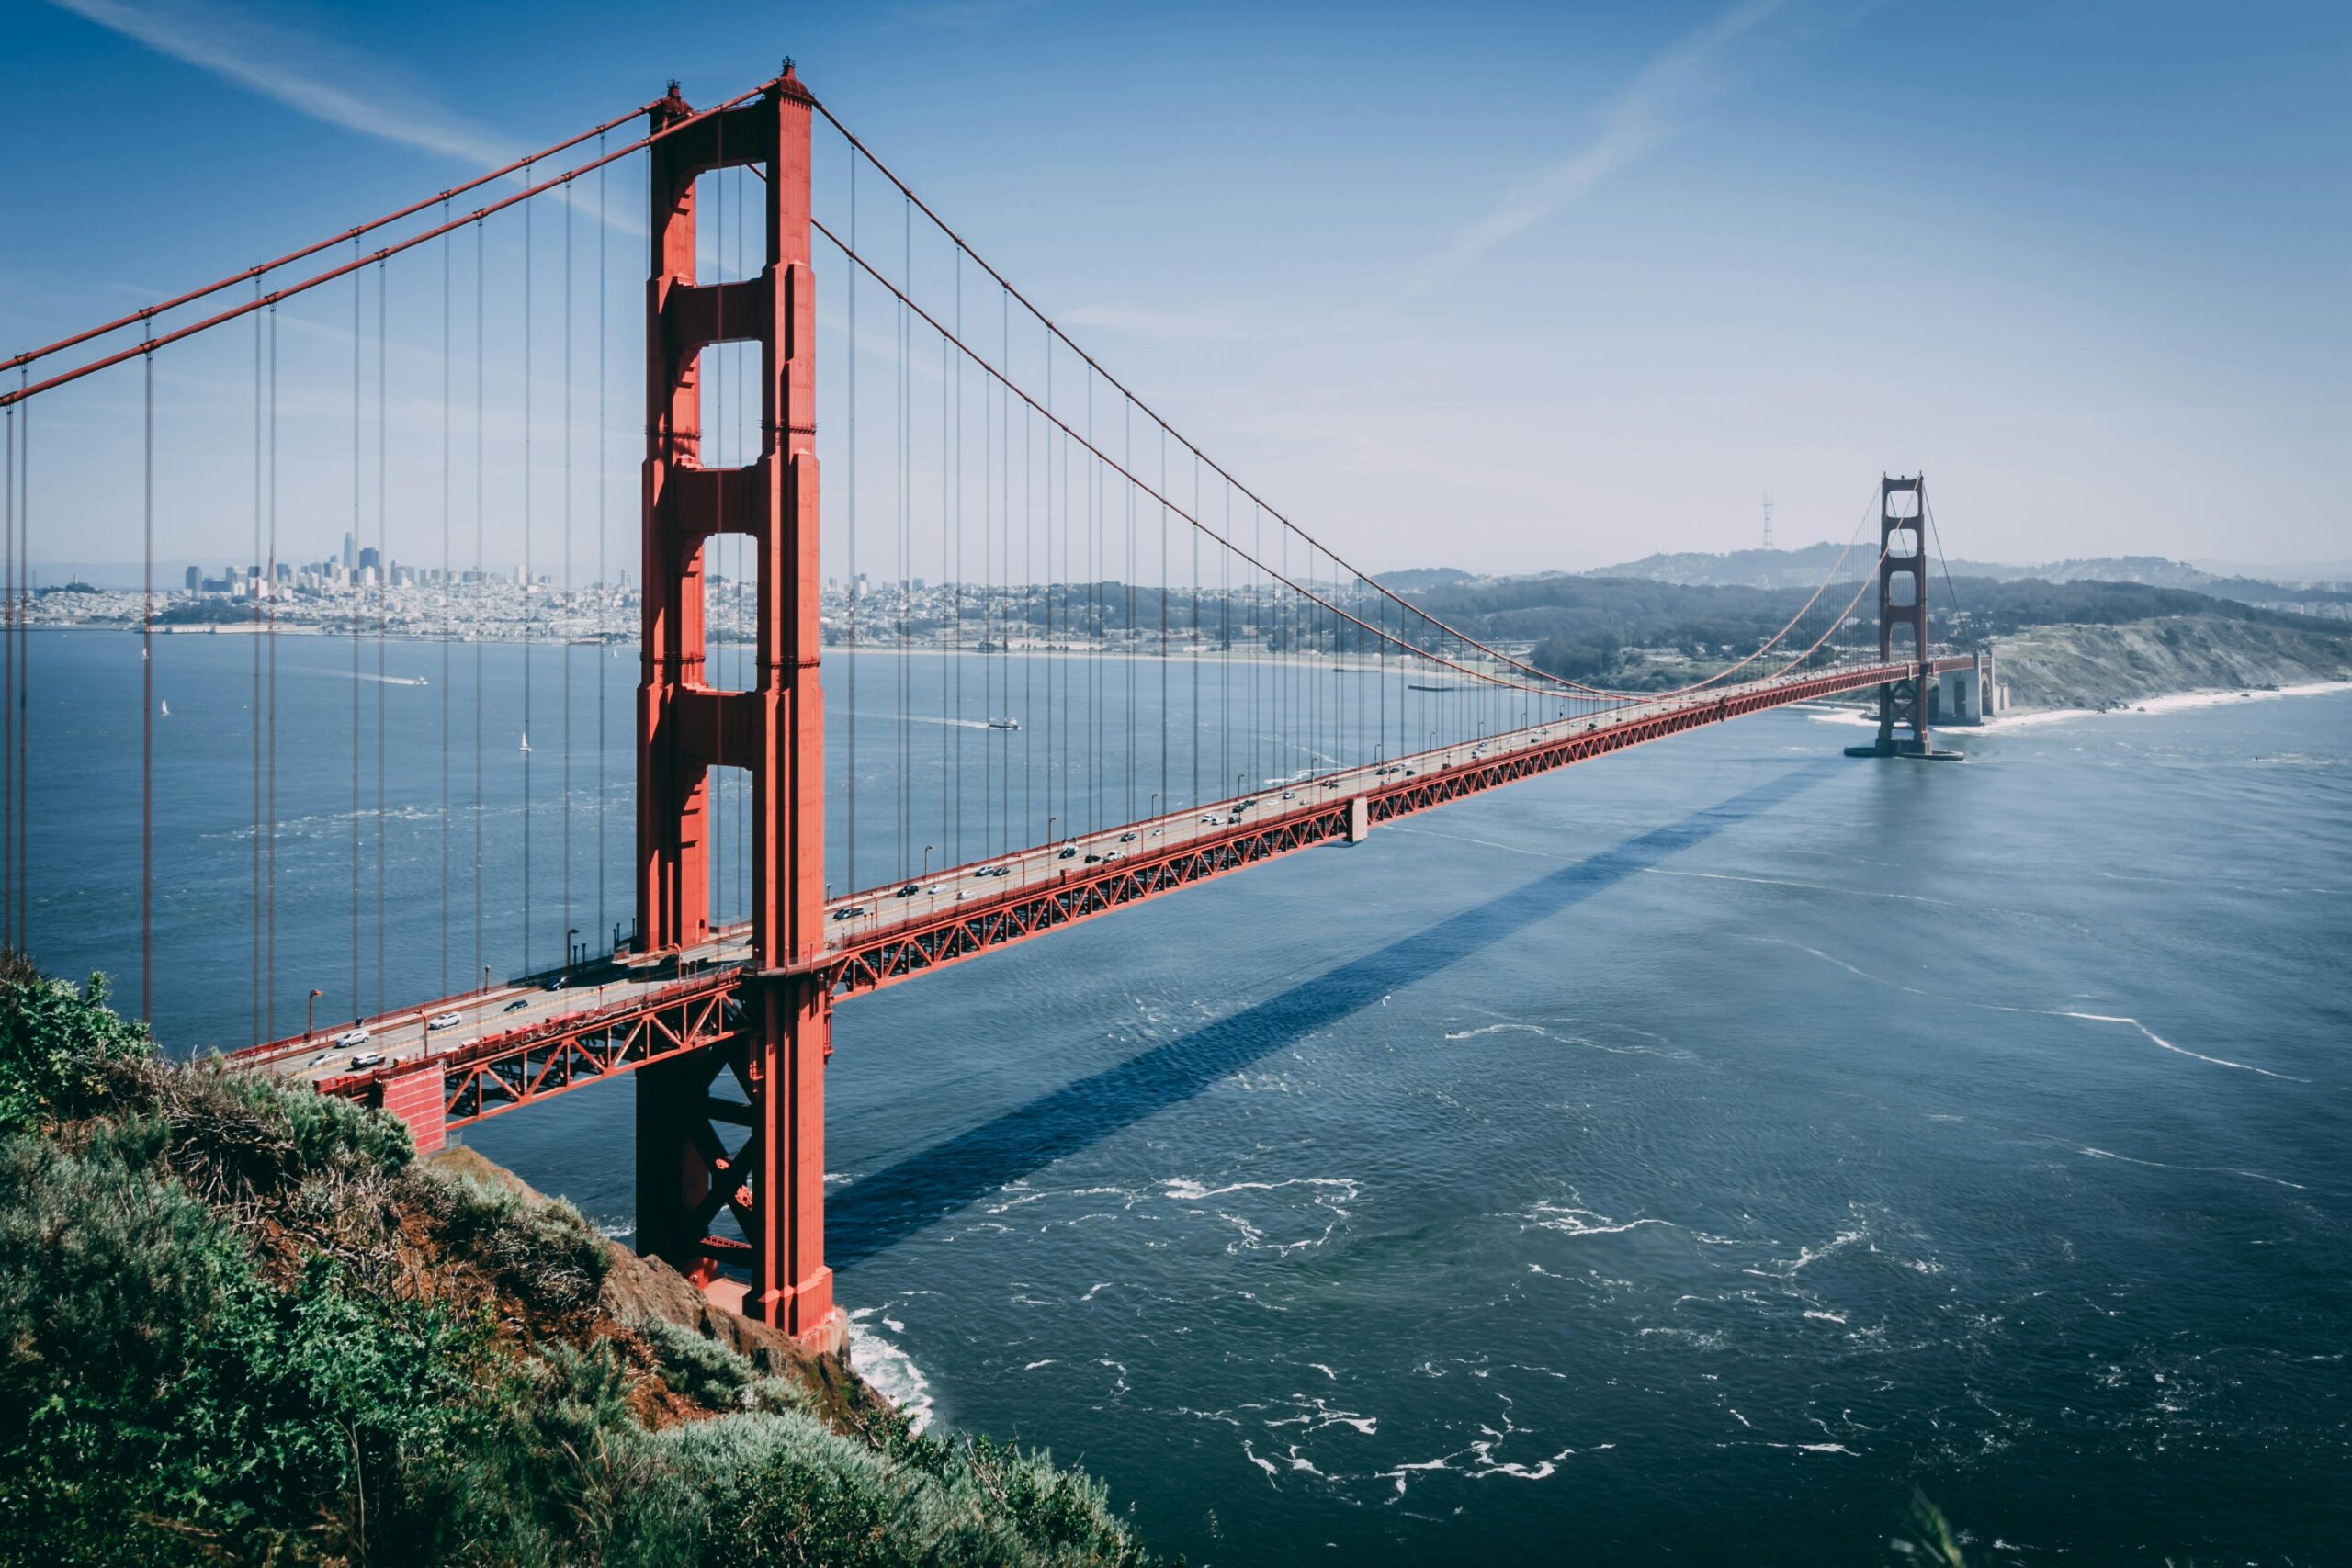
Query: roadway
[(856, 920)]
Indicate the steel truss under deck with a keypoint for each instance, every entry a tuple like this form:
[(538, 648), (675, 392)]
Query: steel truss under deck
[(487, 1078)]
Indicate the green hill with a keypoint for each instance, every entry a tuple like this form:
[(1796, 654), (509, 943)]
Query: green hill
[(241, 1323)]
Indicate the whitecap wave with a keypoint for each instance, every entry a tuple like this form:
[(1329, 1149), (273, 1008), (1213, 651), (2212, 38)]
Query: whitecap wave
[(889, 1372)]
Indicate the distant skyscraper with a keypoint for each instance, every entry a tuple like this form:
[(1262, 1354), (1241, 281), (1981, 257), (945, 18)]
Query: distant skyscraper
[(350, 555), (370, 557), (194, 578)]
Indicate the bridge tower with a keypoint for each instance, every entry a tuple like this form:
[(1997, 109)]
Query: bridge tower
[(1903, 606), (773, 1181)]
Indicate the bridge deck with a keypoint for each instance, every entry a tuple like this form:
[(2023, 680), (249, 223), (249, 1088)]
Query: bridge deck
[(515, 1044)]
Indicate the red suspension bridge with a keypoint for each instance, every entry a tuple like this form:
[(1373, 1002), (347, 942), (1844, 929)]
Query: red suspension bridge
[(1172, 681)]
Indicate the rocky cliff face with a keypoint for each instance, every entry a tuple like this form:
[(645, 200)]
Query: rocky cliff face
[(2089, 667), (638, 1291)]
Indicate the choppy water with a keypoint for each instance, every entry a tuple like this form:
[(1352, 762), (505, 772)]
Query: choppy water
[(1689, 1154)]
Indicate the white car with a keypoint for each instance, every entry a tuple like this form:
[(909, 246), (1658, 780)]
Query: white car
[(446, 1021), (367, 1059), (351, 1039)]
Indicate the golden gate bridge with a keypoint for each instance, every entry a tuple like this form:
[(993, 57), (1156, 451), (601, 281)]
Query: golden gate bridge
[(1063, 545)]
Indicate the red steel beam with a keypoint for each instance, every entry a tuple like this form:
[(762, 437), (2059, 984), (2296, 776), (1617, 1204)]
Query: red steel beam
[(901, 953), (492, 1076)]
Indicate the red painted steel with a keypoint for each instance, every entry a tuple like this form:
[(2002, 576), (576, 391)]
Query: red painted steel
[(774, 1182), (1903, 554), (704, 1014)]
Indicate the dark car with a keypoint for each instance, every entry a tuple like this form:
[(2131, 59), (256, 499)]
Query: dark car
[(517, 1005), (909, 891)]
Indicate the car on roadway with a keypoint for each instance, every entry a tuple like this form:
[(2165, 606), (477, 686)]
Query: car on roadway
[(558, 982), (849, 911), (1070, 852), (1127, 837), (446, 1021), (909, 891), (517, 1005), (351, 1039), (366, 1059)]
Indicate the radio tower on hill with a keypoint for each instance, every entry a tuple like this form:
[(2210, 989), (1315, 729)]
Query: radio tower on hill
[(1767, 519)]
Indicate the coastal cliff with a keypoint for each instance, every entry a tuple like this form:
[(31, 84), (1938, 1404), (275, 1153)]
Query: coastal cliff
[(240, 1321), (2109, 666)]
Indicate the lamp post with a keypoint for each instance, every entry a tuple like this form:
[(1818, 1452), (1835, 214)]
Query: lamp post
[(309, 1011), (926, 859), (569, 948)]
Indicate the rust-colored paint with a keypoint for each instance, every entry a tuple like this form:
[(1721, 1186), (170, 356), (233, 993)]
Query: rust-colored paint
[(773, 1182)]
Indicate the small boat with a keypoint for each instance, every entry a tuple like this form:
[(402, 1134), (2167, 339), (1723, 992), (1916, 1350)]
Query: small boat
[(1004, 724), (164, 708), (527, 740)]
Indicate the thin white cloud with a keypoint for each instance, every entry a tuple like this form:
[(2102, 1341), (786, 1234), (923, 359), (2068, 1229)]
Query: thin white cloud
[(1646, 114), (315, 78), (312, 78)]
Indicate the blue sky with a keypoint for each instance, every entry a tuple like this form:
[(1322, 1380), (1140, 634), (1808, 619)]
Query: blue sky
[(1502, 287)]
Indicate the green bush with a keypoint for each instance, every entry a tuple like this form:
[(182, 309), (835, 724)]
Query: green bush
[(237, 1323)]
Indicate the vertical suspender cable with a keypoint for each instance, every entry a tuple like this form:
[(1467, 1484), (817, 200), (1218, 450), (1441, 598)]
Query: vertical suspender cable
[(528, 586), (358, 281), (383, 592), (946, 464), (603, 466), (7, 690), (849, 790), (447, 601), (254, 963), (269, 850), (482, 587), (1163, 621), (951, 828), (563, 811), (147, 698), (24, 675)]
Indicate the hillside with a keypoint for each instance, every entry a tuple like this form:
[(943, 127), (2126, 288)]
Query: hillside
[(1781, 568), (2090, 667), (241, 1323), (1642, 634)]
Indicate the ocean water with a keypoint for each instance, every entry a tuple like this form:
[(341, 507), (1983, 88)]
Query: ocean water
[(1689, 1155)]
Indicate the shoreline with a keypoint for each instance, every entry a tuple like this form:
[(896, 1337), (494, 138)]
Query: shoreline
[(2169, 702)]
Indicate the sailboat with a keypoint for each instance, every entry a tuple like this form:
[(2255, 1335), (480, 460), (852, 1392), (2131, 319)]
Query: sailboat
[(527, 740), (165, 708)]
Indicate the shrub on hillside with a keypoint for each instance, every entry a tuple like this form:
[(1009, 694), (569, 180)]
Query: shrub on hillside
[(239, 1323)]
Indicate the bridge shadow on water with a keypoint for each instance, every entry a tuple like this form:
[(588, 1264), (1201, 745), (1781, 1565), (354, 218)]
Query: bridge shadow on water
[(876, 1212)]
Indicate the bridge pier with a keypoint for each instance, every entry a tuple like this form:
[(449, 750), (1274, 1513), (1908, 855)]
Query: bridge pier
[(759, 1160), (771, 1177), (1903, 705)]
